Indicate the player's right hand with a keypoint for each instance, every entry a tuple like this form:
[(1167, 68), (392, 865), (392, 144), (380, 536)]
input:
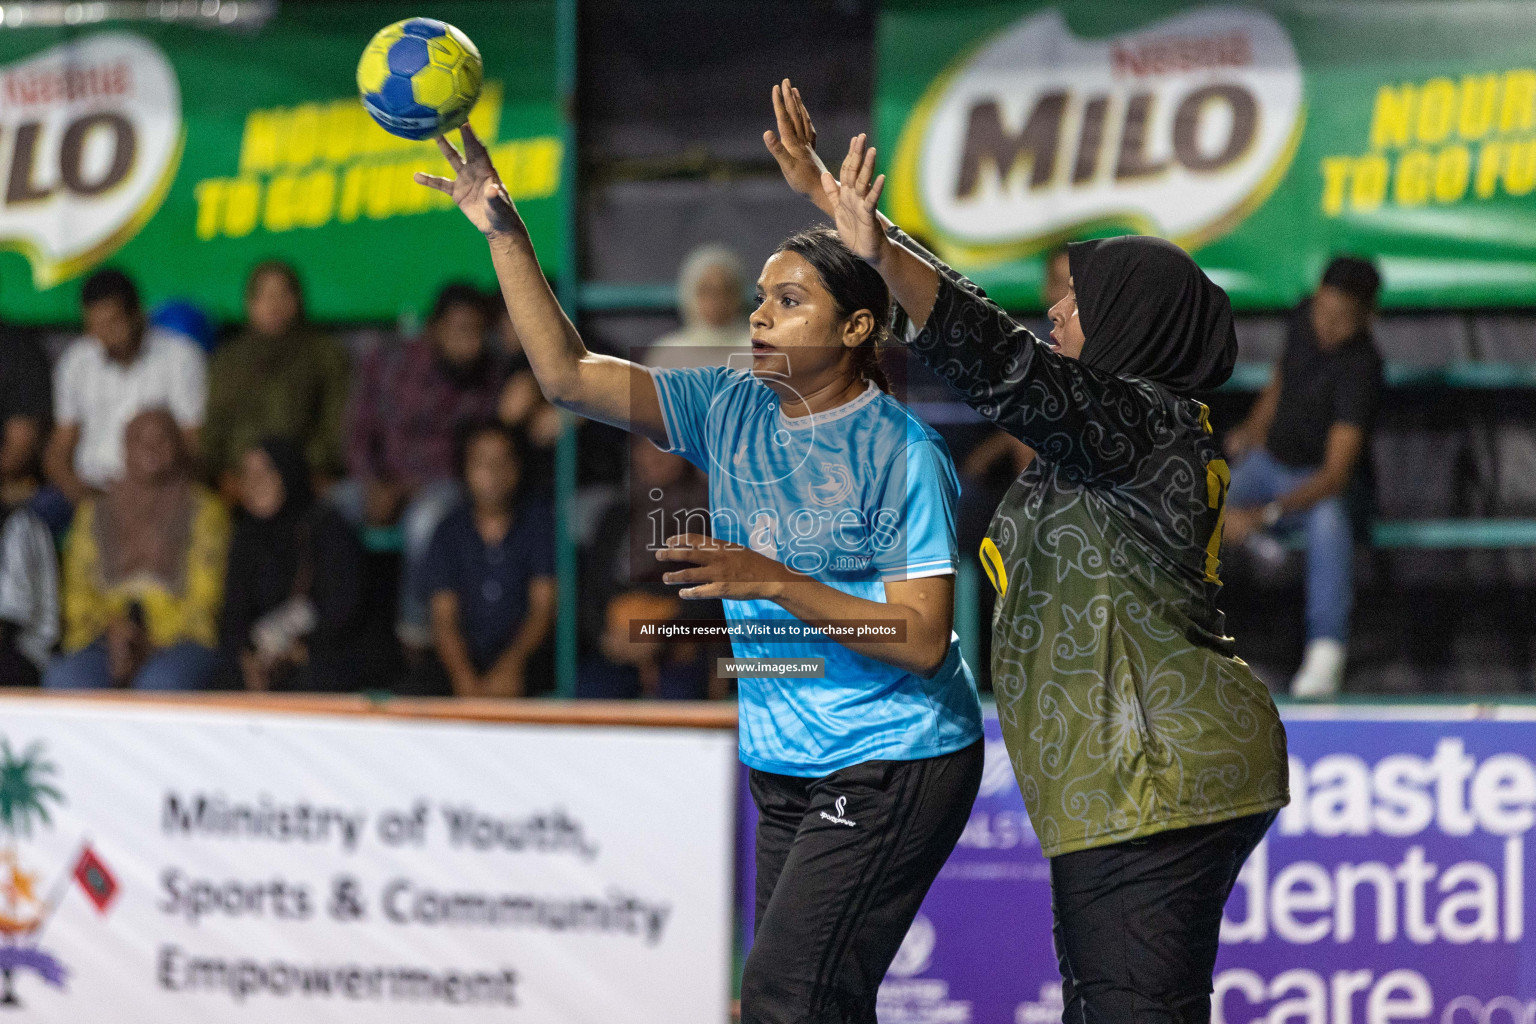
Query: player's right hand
[(475, 187)]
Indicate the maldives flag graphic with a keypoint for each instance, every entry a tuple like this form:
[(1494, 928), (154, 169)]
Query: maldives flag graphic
[(95, 879)]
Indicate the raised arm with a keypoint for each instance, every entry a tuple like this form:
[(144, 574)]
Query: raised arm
[(598, 387), (912, 280), (1099, 426)]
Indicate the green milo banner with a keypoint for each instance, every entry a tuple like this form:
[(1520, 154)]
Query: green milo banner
[(1263, 138), (185, 155)]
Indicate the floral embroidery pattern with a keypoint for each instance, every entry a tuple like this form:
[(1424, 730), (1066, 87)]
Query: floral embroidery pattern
[(1124, 708)]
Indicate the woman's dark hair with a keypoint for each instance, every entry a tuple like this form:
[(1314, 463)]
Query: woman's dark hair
[(476, 429), (460, 294), (854, 285), (110, 284), (283, 270)]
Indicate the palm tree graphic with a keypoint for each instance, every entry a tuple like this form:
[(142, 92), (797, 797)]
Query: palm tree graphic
[(25, 793)]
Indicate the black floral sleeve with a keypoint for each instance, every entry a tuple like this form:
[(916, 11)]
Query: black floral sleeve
[(1096, 427)]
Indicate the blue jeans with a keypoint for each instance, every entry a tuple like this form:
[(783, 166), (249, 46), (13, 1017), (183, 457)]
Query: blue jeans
[(422, 514), (1261, 478), (183, 666)]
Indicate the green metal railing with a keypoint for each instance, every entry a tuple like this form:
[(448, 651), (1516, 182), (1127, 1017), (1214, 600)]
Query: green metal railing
[(569, 295)]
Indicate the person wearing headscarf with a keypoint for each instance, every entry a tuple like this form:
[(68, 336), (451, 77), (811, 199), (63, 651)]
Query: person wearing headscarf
[(278, 378), (144, 572), (710, 290), (295, 589), (1299, 452), (1150, 758)]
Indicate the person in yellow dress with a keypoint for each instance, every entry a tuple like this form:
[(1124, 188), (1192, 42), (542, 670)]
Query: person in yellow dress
[(144, 572)]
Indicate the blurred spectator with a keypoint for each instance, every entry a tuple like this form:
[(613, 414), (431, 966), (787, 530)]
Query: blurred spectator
[(144, 572), (278, 378), (26, 407), (295, 581), (524, 408), (621, 582), (412, 403), (489, 573), (29, 596), (1300, 447), (106, 378), (186, 318), (711, 288)]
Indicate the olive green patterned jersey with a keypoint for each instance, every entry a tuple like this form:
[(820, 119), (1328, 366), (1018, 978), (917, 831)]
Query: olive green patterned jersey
[(1124, 708)]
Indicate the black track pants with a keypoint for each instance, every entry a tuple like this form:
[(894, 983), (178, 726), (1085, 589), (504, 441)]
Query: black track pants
[(1137, 923), (843, 863)]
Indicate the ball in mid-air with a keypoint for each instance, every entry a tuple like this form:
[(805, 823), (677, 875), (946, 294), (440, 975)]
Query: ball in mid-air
[(420, 77)]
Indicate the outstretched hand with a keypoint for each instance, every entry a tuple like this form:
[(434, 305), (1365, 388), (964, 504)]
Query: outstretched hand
[(721, 570), (854, 195), (475, 187), (794, 145)]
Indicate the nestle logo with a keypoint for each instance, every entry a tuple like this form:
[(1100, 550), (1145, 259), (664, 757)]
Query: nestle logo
[(1175, 54), (70, 85)]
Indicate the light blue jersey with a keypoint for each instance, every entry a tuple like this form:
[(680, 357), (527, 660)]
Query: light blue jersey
[(854, 496)]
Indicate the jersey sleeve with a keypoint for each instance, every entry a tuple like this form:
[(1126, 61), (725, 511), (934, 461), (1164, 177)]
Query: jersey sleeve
[(437, 567), (188, 385), (686, 397), (68, 387), (1098, 427), (914, 523), (541, 553), (1357, 394)]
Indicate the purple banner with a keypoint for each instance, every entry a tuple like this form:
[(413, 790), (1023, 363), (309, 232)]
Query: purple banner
[(1393, 888)]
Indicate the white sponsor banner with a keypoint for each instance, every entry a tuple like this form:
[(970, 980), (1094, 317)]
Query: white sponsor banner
[(167, 864)]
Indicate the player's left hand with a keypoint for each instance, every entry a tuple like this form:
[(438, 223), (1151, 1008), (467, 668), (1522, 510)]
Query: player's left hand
[(854, 196), (721, 570)]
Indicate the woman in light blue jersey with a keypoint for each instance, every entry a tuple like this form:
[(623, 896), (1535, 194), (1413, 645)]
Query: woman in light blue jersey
[(831, 507)]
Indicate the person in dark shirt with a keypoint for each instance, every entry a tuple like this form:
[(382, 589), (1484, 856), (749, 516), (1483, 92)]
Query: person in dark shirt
[(294, 589), (1300, 448), (26, 409), (622, 581), (489, 573)]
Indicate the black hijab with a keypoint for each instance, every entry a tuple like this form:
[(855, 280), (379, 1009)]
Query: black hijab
[(265, 555), (1148, 311)]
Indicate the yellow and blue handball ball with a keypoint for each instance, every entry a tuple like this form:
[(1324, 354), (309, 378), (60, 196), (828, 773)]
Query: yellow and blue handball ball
[(419, 78)]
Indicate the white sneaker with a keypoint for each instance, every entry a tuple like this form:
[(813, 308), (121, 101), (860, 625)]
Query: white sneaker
[(1321, 673)]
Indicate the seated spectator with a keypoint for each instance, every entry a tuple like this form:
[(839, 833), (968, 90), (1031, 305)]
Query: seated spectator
[(29, 596), (710, 294), (489, 574), (1300, 448), (109, 376), (295, 582), (524, 408), (26, 407), (277, 378), (144, 572), (412, 402), (621, 582)]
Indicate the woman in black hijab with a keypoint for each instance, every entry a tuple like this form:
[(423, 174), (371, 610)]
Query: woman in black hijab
[(294, 586), (1151, 759)]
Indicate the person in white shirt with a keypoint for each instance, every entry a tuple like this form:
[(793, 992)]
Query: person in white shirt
[(710, 294), (116, 370)]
